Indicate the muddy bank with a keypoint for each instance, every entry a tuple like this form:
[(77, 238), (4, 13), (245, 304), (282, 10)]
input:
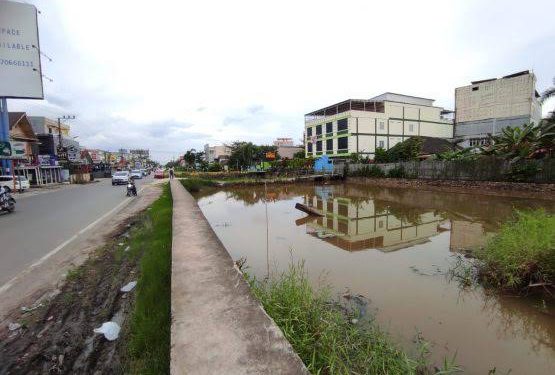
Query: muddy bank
[(55, 335), (509, 189)]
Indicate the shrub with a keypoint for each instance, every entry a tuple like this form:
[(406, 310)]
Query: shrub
[(522, 253), (369, 171), (523, 172), (397, 172)]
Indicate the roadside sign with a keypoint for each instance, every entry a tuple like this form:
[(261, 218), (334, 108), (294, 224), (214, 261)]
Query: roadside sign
[(5, 150), (270, 155), (20, 70), (62, 153), (18, 149)]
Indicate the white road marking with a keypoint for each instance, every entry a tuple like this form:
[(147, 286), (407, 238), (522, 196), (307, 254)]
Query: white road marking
[(8, 285)]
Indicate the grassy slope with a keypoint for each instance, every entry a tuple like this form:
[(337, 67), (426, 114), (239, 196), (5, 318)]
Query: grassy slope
[(149, 338), (522, 252), (325, 336)]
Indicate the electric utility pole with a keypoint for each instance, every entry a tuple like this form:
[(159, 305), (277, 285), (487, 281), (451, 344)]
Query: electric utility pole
[(60, 143)]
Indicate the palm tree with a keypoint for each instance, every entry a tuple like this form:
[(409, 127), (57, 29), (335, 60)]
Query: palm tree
[(526, 142), (548, 94)]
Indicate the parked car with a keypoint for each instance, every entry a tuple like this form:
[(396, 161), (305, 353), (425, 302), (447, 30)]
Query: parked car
[(136, 173), (120, 178), (159, 173), (144, 172), (8, 181)]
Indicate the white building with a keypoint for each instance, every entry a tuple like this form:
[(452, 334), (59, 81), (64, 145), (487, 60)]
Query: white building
[(362, 126), (218, 154), (485, 107), (286, 148)]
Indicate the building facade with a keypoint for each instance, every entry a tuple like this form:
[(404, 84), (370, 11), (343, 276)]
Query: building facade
[(286, 148), (44, 125), (218, 154), (362, 126), (485, 107)]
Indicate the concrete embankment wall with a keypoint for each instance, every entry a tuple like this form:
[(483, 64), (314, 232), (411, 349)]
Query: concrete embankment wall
[(217, 327)]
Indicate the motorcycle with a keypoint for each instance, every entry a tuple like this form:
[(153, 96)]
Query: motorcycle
[(7, 202), (131, 189)]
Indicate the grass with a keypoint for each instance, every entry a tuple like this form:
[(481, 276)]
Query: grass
[(324, 335), (193, 185), (522, 253), (149, 331)]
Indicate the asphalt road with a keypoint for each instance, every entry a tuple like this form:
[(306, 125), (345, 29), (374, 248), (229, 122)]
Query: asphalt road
[(43, 222)]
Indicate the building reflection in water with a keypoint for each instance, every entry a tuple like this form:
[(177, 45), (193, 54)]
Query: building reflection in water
[(354, 224)]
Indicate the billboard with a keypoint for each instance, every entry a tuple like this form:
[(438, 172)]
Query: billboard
[(20, 70)]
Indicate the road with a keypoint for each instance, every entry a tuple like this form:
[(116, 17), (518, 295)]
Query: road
[(45, 222)]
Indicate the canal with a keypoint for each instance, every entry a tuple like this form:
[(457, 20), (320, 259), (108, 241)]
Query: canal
[(395, 248)]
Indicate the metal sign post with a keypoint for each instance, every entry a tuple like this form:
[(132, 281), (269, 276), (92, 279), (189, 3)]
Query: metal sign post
[(4, 129)]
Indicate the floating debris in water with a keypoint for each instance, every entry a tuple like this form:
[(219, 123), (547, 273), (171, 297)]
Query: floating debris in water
[(14, 326)]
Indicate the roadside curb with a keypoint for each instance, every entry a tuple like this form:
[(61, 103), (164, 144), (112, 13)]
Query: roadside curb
[(217, 327)]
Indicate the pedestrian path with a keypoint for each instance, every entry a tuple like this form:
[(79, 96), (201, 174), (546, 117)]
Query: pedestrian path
[(218, 327)]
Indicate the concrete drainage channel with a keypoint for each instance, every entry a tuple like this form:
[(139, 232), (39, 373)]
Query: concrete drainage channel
[(217, 325)]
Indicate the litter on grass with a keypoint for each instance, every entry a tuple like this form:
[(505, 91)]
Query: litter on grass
[(129, 286), (110, 330)]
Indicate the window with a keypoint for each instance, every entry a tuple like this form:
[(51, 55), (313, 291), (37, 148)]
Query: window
[(309, 147), (318, 146), (329, 127), (381, 144), (342, 143), (342, 125), (309, 132), (329, 144), (380, 224), (318, 129), (475, 88), (382, 125), (50, 130)]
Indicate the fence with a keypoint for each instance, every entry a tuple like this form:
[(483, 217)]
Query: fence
[(484, 169)]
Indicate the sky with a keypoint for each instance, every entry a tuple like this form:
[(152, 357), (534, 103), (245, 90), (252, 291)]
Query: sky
[(175, 75)]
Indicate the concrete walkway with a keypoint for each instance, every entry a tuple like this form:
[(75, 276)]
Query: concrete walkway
[(218, 327)]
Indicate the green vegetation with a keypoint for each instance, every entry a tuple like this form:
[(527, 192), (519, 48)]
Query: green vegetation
[(397, 172), (326, 336), (194, 185), (369, 171), (246, 154), (522, 253), (402, 151), (148, 344)]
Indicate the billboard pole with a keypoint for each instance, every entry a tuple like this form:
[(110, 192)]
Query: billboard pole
[(4, 128)]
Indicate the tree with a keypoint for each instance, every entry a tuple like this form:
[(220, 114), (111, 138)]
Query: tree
[(526, 142), (246, 154), (299, 155), (402, 151), (546, 95)]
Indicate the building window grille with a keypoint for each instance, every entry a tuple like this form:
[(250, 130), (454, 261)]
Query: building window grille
[(309, 132), (381, 144), (309, 147), (319, 146), (329, 144), (342, 126), (342, 144), (411, 127), (318, 130), (382, 125), (329, 128)]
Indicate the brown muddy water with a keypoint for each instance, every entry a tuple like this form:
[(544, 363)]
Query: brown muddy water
[(395, 247)]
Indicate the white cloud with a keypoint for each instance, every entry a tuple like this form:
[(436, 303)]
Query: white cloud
[(215, 71)]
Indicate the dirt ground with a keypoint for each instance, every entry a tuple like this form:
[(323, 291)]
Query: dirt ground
[(49, 312), (39, 280), (56, 336), (510, 189)]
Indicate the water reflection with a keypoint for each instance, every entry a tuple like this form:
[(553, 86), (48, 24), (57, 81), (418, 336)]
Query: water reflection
[(371, 240)]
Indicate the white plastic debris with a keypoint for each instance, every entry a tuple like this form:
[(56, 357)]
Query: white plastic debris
[(110, 330), (127, 248), (128, 287), (14, 326)]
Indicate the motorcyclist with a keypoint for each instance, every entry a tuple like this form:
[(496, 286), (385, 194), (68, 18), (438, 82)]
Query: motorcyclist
[(133, 187)]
